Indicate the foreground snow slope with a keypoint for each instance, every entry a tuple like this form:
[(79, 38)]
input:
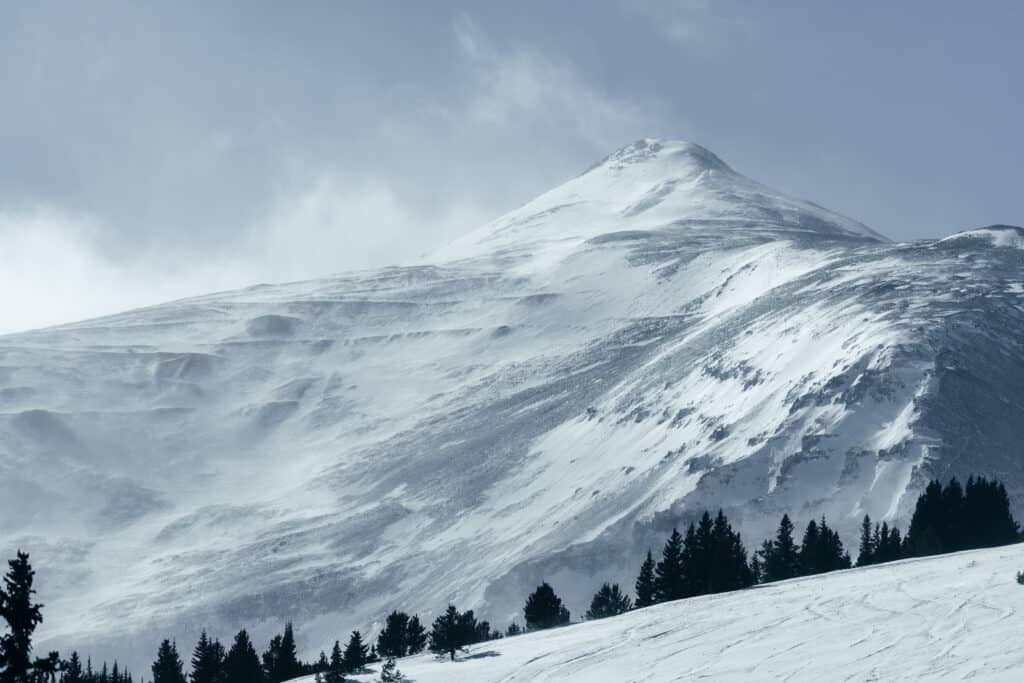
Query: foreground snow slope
[(544, 399), (955, 617)]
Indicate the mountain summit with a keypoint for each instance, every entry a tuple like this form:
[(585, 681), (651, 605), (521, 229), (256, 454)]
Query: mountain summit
[(653, 185), (544, 400)]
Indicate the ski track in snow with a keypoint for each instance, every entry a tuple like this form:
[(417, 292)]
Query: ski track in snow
[(952, 617)]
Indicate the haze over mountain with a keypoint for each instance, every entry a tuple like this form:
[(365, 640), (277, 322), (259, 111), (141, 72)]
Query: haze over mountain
[(543, 399)]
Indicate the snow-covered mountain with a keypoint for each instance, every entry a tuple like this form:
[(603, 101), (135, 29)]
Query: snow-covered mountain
[(937, 618), (543, 399)]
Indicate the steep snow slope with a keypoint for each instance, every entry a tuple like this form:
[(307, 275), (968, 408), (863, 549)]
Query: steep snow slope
[(952, 617), (544, 400)]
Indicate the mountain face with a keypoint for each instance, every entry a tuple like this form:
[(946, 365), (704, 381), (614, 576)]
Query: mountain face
[(543, 399)]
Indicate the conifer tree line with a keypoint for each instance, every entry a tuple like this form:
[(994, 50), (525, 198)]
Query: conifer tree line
[(946, 519), (708, 558)]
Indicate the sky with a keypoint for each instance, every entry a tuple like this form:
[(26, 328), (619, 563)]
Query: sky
[(155, 150)]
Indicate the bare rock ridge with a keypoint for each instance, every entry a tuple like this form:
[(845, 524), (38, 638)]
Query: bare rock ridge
[(543, 399)]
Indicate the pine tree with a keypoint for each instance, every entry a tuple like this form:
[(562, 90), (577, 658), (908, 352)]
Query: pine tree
[(544, 609), (446, 634), (986, 512), (865, 554), (336, 670), (782, 560), (207, 660), (513, 629), (609, 601), (809, 548), (389, 673), (756, 571), (242, 664), (280, 661), (393, 639), (415, 636), (646, 590), (356, 653), (668, 574), (725, 559), (22, 617), (72, 670), (924, 536), (168, 667)]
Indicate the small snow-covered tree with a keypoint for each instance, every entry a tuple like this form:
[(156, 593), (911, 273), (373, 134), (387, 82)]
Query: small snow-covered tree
[(389, 673)]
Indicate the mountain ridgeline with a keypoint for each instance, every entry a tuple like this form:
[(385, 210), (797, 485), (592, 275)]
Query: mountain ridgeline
[(544, 399)]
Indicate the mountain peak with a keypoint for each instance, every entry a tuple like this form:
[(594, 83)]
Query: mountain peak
[(653, 185), (676, 152)]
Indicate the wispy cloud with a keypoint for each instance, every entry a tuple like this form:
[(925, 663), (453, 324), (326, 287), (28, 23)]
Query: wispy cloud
[(363, 173)]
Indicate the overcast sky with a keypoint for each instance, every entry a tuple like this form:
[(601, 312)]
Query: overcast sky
[(153, 150)]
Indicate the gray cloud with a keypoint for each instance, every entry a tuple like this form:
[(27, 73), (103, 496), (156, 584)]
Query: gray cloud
[(156, 150), (172, 169)]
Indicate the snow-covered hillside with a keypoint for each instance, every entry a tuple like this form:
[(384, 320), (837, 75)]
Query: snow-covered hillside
[(955, 617), (544, 399)]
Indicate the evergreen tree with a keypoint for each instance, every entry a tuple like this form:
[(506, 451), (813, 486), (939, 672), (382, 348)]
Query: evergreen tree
[(987, 516), (415, 636), (168, 667), (809, 550), (476, 631), (952, 531), (44, 669), (726, 559), (207, 660), (668, 574), (22, 617), (821, 550), (781, 557), (447, 635), (336, 670), (393, 639), (513, 629), (866, 552), (71, 670), (280, 661), (389, 673), (951, 518), (609, 601), (242, 664), (756, 571), (646, 590), (356, 653), (713, 557), (544, 609), (925, 534)]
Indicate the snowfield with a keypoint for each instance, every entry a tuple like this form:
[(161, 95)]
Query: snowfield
[(954, 617), (542, 400)]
